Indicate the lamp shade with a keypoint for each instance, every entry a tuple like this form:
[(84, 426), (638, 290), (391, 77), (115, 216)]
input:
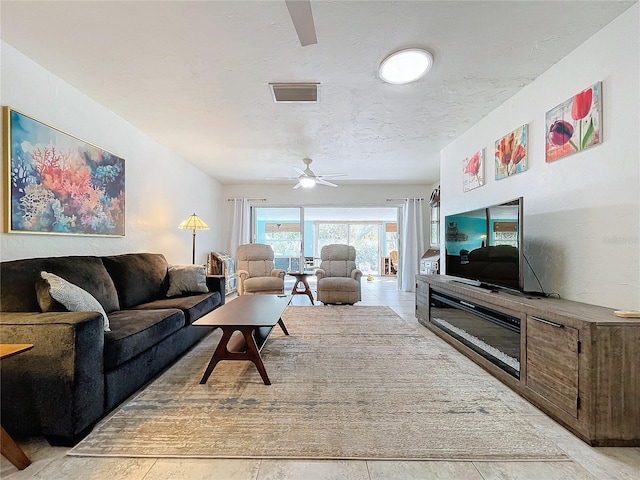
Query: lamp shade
[(193, 222)]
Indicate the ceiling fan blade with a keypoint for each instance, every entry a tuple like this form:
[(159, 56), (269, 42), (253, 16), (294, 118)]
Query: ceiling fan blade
[(302, 17), (301, 172), (324, 175), (296, 186), (320, 181)]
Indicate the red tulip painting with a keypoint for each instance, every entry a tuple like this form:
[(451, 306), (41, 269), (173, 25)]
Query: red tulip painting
[(575, 124), (473, 171), (511, 153)]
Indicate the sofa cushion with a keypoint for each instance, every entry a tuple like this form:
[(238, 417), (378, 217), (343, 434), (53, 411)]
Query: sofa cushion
[(193, 306), (134, 331), (74, 298), (187, 279), (138, 277), (19, 277)]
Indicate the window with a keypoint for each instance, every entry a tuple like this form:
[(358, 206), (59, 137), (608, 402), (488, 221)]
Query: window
[(434, 202)]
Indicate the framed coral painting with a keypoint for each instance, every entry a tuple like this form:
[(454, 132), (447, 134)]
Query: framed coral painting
[(473, 171), (57, 183), (511, 153), (575, 124)]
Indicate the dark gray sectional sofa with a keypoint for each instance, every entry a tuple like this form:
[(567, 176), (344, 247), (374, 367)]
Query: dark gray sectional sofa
[(76, 372)]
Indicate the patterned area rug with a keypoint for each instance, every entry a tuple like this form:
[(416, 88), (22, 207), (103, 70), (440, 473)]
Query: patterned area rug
[(348, 383)]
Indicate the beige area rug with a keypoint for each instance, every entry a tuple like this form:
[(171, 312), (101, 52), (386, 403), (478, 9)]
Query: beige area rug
[(350, 382)]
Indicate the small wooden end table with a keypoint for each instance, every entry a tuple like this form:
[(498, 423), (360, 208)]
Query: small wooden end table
[(301, 286), (10, 450), (254, 316)]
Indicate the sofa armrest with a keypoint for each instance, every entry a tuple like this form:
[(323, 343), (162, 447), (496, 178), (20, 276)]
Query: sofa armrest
[(216, 283), (57, 387)]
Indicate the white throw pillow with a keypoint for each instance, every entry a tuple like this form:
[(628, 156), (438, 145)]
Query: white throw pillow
[(74, 298), (187, 279)]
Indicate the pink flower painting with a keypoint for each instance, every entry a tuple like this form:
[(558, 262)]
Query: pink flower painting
[(473, 171), (575, 124)]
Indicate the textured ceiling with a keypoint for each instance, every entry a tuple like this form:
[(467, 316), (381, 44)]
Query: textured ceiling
[(194, 75)]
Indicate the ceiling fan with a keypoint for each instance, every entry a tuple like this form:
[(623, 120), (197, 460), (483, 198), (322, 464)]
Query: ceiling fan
[(302, 17), (308, 179)]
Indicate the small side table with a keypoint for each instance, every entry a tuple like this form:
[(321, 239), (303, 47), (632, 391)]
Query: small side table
[(301, 286), (10, 450)]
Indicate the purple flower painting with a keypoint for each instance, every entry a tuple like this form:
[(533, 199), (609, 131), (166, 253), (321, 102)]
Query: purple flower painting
[(61, 184), (575, 124)]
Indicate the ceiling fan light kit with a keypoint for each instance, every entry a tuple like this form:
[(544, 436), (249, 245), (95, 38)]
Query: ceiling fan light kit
[(308, 179), (406, 66), (307, 182)]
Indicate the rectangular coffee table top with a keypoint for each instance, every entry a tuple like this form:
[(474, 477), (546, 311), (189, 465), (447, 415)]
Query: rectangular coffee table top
[(252, 310)]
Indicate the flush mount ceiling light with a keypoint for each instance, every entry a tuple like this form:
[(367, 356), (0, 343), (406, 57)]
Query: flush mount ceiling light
[(405, 66)]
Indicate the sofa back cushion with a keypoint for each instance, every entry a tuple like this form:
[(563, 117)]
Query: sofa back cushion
[(138, 277), (18, 280)]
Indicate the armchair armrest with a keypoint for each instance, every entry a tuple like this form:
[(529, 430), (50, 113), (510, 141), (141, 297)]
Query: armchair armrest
[(320, 273), (242, 276), (56, 388), (276, 272), (356, 274)]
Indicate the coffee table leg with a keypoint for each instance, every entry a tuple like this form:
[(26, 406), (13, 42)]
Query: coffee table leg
[(219, 353), (282, 326), (12, 452), (253, 354)]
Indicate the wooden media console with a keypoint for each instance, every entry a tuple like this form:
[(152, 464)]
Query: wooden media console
[(578, 363)]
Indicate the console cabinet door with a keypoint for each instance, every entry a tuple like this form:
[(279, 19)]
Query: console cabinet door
[(552, 362)]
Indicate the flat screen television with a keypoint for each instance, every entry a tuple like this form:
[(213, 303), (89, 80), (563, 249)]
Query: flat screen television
[(483, 247)]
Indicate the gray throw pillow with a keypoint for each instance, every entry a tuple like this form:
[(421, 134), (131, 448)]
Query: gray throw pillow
[(187, 279), (74, 298)]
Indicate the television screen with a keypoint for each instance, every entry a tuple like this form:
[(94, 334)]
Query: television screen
[(484, 245)]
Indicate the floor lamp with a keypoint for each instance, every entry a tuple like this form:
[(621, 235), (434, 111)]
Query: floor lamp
[(193, 222)]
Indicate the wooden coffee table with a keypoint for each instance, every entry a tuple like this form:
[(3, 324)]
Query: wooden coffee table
[(254, 316), (10, 450)]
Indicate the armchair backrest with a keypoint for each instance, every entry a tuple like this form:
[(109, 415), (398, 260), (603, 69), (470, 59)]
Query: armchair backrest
[(338, 260), (255, 258)]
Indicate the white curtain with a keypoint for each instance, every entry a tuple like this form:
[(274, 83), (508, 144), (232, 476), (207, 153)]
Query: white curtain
[(241, 227), (412, 244)]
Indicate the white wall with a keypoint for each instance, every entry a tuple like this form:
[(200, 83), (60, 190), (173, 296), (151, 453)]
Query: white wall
[(344, 196), (161, 188), (582, 213)]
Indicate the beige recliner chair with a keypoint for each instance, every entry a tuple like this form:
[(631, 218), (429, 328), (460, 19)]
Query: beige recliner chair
[(256, 272), (338, 277)]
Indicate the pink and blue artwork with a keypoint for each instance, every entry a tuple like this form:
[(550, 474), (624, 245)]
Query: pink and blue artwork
[(59, 183)]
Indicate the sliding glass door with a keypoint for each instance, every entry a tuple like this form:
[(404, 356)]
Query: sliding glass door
[(364, 236), (297, 234), (281, 228)]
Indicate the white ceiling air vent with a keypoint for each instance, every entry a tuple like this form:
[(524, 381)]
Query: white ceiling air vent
[(295, 92)]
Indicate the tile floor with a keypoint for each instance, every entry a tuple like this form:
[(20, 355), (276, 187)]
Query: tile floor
[(585, 463)]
